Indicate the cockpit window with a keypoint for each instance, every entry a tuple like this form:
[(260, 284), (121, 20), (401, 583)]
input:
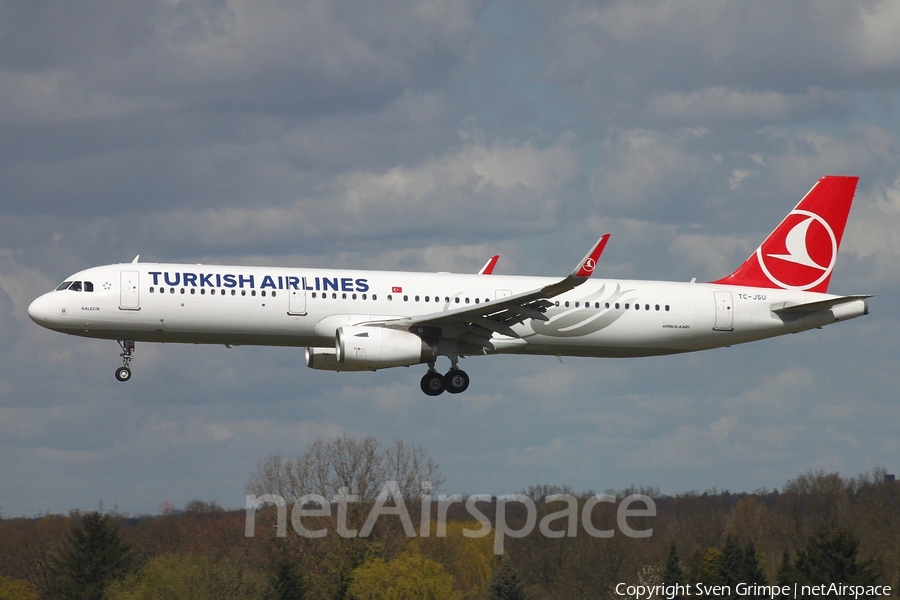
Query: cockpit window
[(76, 286)]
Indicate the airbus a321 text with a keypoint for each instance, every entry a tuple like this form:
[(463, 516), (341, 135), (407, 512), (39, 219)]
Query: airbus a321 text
[(353, 320)]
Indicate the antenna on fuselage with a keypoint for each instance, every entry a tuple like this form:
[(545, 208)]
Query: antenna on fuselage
[(135, 259)]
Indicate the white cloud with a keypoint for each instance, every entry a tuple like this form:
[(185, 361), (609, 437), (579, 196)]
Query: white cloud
[(875, 38), (512, 187), (720, 104)]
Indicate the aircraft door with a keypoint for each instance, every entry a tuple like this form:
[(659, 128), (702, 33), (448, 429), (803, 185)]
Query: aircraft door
[(297, 302), (724, 312), (129, 290)]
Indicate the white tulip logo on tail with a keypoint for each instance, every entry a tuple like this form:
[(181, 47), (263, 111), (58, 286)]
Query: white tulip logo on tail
[(804, 257), (589, 265)]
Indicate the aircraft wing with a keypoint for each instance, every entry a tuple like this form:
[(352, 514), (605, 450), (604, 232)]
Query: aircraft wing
[(476, 324)]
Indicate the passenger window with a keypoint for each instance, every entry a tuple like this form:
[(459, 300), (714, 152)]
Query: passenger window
[(151, 289), (417, 298), (637, 307), (171, 290), (577, 304), (406, 298), (667, 308), (390, 297), (353, 297), (273, 294), (202, 291), (567, 304), (657, 307), (457, 299), (343, 296), (193, 291), (426, 298), (617, 306), (375, 297), (607, 305)]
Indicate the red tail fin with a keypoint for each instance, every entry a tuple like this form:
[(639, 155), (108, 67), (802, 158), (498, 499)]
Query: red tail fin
[(801, 252)]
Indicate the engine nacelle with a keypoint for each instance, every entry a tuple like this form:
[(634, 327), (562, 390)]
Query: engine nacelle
[(359, 347), (325, 359)]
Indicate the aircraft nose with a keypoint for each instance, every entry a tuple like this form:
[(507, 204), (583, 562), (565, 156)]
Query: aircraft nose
[(37, 310)]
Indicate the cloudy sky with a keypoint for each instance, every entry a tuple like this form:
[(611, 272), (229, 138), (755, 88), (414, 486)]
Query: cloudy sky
[(428, 135)]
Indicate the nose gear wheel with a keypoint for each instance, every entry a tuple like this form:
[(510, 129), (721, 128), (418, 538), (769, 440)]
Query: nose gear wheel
[(123, 373)]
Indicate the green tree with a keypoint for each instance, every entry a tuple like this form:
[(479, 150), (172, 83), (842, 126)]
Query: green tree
[(16, 589), (730, 566), (506, 584), (786, 573), (287, 583), (188, 577), (95, 554), (832, 556), (673, 573), (408, 576), (751, 570), (469, 560), (702, 567)]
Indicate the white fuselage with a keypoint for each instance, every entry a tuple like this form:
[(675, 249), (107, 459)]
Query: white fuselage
[(304, 307)]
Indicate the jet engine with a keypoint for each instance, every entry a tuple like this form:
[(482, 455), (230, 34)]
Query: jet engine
[(362, 348)]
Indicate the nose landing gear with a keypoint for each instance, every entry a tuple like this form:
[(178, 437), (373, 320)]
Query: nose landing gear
[(123, 373)]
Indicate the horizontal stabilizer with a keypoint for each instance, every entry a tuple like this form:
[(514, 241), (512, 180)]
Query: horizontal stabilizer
[(808, 307)]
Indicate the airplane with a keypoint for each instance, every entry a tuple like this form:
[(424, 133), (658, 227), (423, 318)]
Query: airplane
[(356, 320)]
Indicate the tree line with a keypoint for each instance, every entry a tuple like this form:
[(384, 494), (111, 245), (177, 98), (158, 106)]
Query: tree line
[(820, 528)]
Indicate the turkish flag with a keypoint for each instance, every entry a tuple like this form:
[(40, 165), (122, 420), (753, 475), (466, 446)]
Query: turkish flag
[(397, 290)]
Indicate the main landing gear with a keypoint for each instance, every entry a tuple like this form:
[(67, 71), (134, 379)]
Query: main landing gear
[(455, 381), (123, 373)]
